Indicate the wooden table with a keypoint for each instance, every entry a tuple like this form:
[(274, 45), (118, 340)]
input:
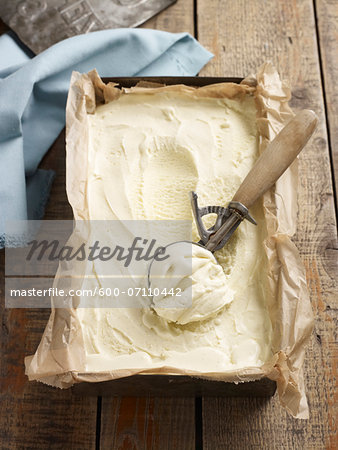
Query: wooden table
[(300, 38)]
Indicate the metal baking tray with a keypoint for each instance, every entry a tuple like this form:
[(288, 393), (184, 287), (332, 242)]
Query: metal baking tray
[(189, 81), (162, 385), (40, 24)]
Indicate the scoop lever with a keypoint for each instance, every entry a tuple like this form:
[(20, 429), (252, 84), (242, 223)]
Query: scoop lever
[(229, 217)]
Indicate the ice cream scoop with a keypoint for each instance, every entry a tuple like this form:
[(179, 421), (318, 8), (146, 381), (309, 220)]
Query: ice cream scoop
[(272, 163)]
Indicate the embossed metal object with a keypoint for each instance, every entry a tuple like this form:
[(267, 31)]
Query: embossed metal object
[(42, 23)]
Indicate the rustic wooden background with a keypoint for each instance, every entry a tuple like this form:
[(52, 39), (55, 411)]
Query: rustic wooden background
[(300, 37)]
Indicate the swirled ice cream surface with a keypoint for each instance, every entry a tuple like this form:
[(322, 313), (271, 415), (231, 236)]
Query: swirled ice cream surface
[(194, 272), (146, 153)]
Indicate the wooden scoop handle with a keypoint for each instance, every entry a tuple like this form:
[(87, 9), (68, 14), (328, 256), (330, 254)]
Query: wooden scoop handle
[(277, 157)]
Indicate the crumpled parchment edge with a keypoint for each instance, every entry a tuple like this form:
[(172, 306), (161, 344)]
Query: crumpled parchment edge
[(60, 357)]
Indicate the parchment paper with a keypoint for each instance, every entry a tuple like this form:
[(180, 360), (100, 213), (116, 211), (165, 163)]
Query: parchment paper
[(60, 357)]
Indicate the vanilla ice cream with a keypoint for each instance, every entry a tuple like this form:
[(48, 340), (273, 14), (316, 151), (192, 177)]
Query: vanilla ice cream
[(147, 151), (202, 285)]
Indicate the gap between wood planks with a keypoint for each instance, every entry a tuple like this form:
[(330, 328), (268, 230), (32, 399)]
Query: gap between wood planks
[(195, 20), (98, 423), (198, 423)]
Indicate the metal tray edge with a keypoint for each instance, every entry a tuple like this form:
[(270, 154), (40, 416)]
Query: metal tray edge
[(189, 81)]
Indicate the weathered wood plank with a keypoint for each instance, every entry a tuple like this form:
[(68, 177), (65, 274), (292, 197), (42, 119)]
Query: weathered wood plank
[(147, 424), (156, 423), (177, 18), (34, 415), (242, 35), (327, 23)]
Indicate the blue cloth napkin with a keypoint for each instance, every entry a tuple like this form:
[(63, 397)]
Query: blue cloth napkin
[(33, 95)]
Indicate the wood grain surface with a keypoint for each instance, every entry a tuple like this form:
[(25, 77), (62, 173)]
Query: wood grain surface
[(327, 24), (243, 35), (176, 19), (140, 423), (300, 38)]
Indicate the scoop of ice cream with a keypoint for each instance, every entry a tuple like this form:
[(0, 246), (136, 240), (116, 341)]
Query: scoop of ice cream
[(189, 285)]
